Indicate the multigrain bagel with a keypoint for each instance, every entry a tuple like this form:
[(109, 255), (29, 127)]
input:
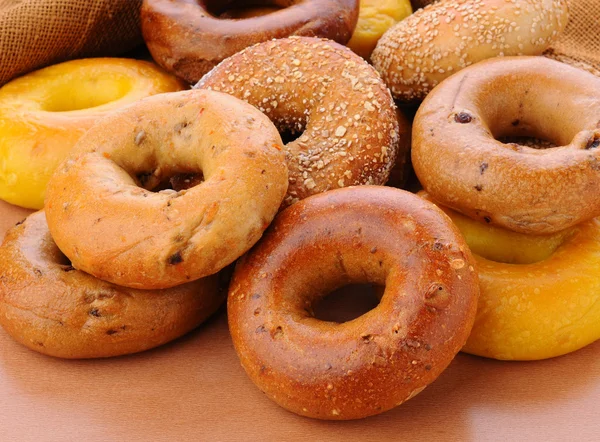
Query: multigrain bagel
[(441, 39), (344, 116), (189, 37), (48, 306), (365, 234), (460, 162), (105, 218)]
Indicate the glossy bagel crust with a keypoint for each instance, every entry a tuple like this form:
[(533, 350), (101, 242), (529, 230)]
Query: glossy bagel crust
[(44, 113), (350, 133), (105, 218), (365, 234), (443, 38), (186, 39), (459, 161), (48, 306), (544, 309)]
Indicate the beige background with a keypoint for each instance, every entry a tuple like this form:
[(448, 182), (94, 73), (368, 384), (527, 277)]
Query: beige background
[(195, 389)]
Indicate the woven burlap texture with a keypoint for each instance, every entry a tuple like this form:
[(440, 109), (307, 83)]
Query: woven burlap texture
[(37, 33), (579, 45)]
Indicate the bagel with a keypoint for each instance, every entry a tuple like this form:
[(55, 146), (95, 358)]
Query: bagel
[(365, 234), (445, 37), (48, 306), (107, 221), (189, 38), (43, 115), (540, 294), (374, 18), (336, 105), (460, 162)]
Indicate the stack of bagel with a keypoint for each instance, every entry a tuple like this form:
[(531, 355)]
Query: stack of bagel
[(261, 143)]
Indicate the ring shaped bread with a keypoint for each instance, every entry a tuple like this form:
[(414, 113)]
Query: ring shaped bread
[(48, 306), (460, 162), (540, 294), (418, 53), (335, 101), (43, 114), (189, 38), (365, 234), (107, 221)]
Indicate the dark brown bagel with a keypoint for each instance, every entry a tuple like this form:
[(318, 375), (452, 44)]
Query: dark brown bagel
[(48, 306), (364, 234), (189, 37)]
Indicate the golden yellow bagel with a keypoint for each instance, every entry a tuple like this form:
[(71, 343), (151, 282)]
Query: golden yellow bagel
[(540, 295), (376, 17), (43, 115)]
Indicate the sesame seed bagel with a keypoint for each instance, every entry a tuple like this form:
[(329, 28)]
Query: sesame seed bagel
[(322, 91), (48, 306), (105, 218), (460, 162), (189, 37), (445, 37), (368, 365)]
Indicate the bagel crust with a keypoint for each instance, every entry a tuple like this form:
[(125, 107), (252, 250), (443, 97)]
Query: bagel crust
[(460, 162), (540, 294), (443, 38), (349, 131), (105, 218), (186, 39), (365, 234), (44, 113), (48, 306)]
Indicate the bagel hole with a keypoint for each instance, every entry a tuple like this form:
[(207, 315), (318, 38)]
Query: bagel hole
[(241, 9), (63, 262), (532, 142), (88, 93), (516, 105), (289, 135), (347, 303), (518, 132), (177, 182)]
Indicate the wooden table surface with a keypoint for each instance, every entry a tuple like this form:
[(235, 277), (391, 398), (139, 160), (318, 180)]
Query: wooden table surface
[(195, 389)]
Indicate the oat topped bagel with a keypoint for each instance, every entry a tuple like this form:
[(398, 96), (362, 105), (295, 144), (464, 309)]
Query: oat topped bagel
[(105, 218), (327, 96)]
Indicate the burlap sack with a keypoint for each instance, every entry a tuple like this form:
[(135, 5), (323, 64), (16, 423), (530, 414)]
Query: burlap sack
[(37, 33), (579, 45)]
